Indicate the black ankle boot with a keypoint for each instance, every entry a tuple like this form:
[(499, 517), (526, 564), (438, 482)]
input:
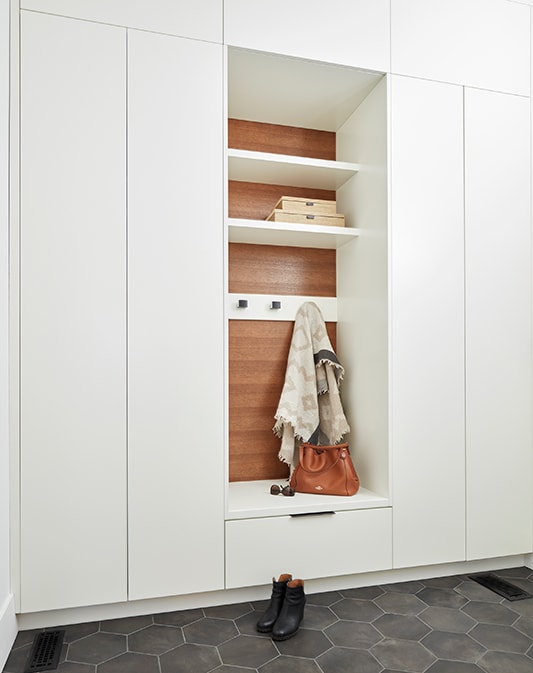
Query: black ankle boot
[(267, 621), (291, 613)]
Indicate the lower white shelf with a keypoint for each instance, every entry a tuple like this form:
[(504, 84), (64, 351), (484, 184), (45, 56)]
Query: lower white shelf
[(252, 499)]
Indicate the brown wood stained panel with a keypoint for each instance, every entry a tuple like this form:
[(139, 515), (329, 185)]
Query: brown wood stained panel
[(279, 139), (258, 352), (272, 269), (255, 201)]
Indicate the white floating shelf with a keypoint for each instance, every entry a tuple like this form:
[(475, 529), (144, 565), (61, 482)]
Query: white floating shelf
[(261, 232), (251, 499), (283, 169)]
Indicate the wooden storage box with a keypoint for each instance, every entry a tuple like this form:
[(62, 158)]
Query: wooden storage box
[(301, 218), (294, 204)]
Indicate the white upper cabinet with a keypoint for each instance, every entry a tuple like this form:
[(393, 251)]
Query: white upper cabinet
[(498, 324), (201, 19), (349, 32), (175, 316), (427, 330), (478, 43), (73, 313)]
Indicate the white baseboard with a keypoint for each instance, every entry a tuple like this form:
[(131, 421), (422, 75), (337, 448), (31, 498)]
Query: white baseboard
[(8, 628), (528, 561), (38, 620)]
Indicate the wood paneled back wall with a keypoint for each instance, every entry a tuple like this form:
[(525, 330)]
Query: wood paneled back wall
[(258, 349)]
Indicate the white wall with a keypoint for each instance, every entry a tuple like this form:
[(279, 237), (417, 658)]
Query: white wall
[(7, 611)]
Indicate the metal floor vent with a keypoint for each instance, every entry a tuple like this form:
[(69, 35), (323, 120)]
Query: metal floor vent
[(45, 651), (501, 587)]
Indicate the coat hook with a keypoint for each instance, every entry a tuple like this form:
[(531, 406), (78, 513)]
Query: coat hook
[(242, 303), (275, 305)]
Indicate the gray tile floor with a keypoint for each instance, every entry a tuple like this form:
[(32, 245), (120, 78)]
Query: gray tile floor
[(441, 625)]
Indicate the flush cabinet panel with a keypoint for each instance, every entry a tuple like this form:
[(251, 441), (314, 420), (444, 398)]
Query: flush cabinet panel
[(201, 20), (175, 316), (427, 331), (498, 324), (313, 545), (72, 313), (349, 32), (479, 43)]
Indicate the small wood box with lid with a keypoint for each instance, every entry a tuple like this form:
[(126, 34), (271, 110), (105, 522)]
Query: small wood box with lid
[(297, 210)]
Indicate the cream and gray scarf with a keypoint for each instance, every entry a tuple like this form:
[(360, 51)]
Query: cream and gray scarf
[(310, 408)]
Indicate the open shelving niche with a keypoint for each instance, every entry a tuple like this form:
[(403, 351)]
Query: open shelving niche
[(273, 89)]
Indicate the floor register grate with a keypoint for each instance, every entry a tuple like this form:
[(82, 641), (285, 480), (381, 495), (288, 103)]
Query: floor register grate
[(501, 587), (45, 651)]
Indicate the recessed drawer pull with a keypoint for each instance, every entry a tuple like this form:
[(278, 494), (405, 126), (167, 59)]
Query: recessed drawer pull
[(313, 513)]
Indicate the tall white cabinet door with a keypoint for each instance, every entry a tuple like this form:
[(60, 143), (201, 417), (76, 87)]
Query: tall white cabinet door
[(175, 316), (72, 313), (479, 43), (498, 324), (350, 32), (427, 323)]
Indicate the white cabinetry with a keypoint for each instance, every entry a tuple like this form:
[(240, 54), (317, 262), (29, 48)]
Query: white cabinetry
[(351, 32), (175, 316), (478, 43), (201, 20), (72, 313), (498, 324), (461, 323), (427, 332), (122, 330)]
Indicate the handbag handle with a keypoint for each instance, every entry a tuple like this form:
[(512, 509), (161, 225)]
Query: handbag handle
[(341, 456)]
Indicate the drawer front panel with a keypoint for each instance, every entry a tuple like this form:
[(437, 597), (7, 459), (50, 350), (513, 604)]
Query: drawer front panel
[(309, 546)]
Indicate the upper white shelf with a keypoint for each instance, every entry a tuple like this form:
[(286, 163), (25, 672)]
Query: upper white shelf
[(263, 232), (283, 169)]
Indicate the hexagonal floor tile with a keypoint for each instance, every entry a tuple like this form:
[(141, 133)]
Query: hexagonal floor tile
[(477, 592), (318, 617), (404, 587), (490, 613), (228, 611), (76, 631), (502, 638), (345, 660), (441, 597), (97, 648), (179, 618), (505, 662), (210, 631), (326, 598), (283, 664), (453, 646), (353, 634), (447, 619), (130, 663), (363, 593), (155, 639), (357, 610), (402, 627), (400, 604), (126, 625), (443, 666), (190, 659), (251, 651), (403, 655), (446, 582), (308, 644)]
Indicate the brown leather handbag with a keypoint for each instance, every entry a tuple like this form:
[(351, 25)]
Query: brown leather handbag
[(325, 470)]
